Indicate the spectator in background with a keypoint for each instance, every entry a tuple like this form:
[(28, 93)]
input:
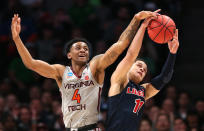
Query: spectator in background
[(163, 122), (1, 126), (200, 111), (184, 104), (180, 124), (193, 120), (3, 113), (45, 45), (36, 110), (9, 123), (34, 93), (81, 12), (24, 122), (148, 105), (5, 87), (168, 106), (117, 25), (153, 113), (42, 127), (11, 102), (145, 125), (171, 92), (62, 24), (19, 74), (46, 100)]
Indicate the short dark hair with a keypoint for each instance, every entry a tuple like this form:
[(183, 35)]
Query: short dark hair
[(69, 44)]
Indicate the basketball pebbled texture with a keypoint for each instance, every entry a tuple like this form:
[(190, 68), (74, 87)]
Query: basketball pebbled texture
[(161, 29)]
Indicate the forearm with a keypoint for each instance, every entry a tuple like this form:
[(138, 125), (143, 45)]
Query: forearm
[(132, 53), (136, 43), (166, 74), (129, 33), (24, 53)]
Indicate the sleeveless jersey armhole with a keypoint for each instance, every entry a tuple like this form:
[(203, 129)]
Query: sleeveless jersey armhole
[(89, 70), (66, 68)]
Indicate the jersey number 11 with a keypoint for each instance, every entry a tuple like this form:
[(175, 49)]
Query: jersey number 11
[(138, 105)]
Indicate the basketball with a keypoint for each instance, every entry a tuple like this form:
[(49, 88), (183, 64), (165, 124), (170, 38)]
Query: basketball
[(161, 29)]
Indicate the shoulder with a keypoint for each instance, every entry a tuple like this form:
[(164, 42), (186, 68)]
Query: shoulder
[(60, 68), (95, 58), (95, 61)]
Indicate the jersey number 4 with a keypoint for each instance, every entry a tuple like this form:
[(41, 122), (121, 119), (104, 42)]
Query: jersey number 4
[(138, 105), (76, 96)]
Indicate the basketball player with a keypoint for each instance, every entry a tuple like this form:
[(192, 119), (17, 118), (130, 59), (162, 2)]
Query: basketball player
[(80, 84), (126, 95)]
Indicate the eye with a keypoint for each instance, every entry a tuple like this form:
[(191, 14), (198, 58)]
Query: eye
[(78, 48), (85, 49), (139, 65)]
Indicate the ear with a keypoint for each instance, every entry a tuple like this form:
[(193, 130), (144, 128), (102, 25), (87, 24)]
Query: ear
[(69, 56)]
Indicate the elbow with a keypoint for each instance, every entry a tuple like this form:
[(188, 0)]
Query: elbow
[(30, 64)]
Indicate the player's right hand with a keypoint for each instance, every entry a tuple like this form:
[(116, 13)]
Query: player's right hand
[(15, 26), (146, 21), (145, 14)]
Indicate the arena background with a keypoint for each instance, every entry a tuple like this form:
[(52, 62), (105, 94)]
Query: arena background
[(48, 24)]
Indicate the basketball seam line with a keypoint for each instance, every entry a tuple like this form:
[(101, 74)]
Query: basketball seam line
[(156, 26), (162, 28), (169, 31), (165, 31)]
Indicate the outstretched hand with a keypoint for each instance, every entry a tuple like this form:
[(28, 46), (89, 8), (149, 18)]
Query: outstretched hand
[(15, 26), (146, 21), (146, 14), (174, 43)]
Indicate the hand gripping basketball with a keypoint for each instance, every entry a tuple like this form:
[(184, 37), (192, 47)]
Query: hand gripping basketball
[(162, 29)]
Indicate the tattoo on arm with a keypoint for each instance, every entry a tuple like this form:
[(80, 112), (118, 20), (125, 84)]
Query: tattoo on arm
[(113, 55), (130, 31)]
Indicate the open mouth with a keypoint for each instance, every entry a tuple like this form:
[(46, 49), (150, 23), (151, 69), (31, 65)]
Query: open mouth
[(82, 56)]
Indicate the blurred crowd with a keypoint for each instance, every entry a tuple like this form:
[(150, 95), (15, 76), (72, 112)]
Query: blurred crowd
[(31, 102)]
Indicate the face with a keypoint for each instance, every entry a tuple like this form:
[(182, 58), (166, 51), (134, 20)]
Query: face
[(137, 71), (183, 100), (192, 121), (154, 111), (162, 123), (168, 105), (145, 126), (179, 125), (171, 92), (25, 115), (79, 53), (200, 106)]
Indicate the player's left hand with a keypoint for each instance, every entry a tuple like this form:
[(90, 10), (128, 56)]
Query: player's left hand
[(174, 43)]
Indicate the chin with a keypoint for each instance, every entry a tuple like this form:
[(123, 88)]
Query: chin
[(82, 62)]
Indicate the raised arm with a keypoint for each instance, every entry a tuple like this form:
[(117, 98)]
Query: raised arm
[(157, 83), (109, 57), (41, 67), (120, 74)]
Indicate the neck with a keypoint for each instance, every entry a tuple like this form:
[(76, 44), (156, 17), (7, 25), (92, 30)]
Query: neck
[(133, 79), (77, 69)]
